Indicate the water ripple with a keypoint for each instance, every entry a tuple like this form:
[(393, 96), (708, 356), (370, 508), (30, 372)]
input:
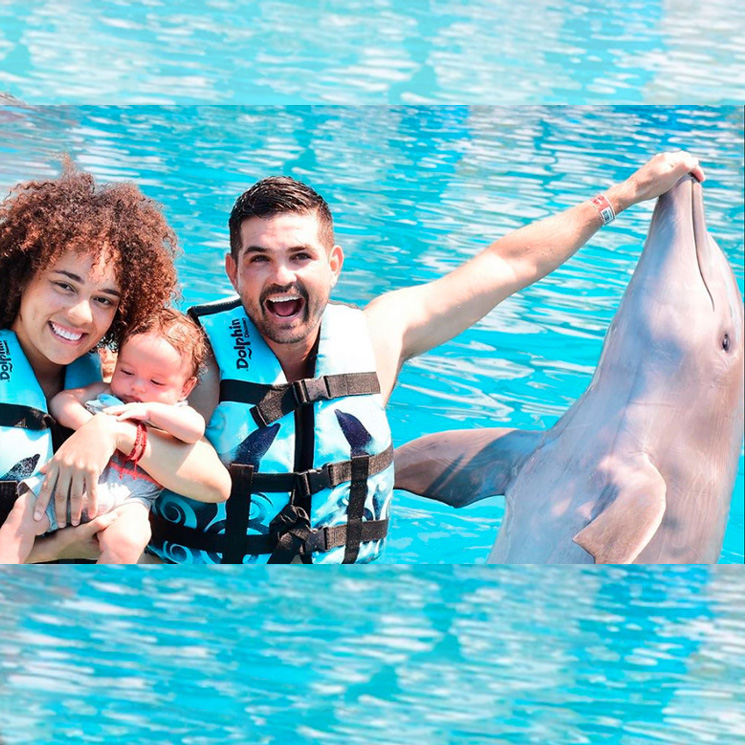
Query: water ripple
[(455, 655), (379, 51)]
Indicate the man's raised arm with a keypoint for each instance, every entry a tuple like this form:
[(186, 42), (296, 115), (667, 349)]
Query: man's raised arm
[(410, 321)]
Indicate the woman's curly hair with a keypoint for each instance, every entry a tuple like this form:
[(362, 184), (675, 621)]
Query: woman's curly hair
[(41, 220)]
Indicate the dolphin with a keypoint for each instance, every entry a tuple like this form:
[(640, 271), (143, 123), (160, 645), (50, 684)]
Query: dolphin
[(6, 98), (641, 468)]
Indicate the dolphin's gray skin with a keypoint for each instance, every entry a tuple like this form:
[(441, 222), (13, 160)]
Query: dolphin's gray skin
[(6, 98), (641, 468)]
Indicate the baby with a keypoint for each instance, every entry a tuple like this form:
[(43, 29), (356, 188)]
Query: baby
[(156, 370)]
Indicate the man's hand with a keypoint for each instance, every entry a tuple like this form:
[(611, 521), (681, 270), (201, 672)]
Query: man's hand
[(654, 178), (74, 470)]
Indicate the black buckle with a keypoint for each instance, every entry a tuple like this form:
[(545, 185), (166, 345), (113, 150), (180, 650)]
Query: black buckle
[(300, 392), (308, 390), (294, 522), (259, 417), (316, 541), (312, 481)]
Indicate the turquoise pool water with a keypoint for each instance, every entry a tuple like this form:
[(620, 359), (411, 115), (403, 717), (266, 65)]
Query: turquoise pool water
[(377, 51), (373, 655), (416, 191)]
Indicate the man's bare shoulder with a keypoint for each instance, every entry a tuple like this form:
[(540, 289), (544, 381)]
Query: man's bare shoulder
[(386, 330)]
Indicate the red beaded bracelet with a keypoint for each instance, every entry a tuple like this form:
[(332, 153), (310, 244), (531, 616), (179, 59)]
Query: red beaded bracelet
[(604, 208), (139, 446)]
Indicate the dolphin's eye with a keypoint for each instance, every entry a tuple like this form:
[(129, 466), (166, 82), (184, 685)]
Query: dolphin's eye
[(725, 343)]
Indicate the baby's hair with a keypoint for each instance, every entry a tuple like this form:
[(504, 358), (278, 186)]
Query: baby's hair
[(181, 332)]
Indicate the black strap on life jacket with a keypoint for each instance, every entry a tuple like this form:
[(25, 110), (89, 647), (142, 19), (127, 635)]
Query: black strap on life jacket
[(290, 533), (316, 479), (272, 402), (305, 445), (292, 529), (7, 498), (355, 510), (25, 417), (318, 540), (237, 510)]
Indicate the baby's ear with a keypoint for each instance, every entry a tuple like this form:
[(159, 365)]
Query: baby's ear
[(188, 387)]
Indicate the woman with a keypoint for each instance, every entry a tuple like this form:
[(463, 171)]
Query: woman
[(79, 264)]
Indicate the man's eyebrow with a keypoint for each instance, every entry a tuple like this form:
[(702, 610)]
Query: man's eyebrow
[(263, 249), (75, 278)]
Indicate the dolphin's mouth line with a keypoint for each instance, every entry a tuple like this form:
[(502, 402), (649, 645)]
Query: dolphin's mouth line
[(699, 235)]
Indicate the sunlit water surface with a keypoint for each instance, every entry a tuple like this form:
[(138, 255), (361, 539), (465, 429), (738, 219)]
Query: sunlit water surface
[(416, 191), (376, 51), (344, 656)]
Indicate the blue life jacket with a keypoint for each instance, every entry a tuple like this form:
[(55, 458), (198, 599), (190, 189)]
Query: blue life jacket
[(311, 461), (26, 428)]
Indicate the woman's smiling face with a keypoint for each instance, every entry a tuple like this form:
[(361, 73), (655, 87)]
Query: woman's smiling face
[(67, 308)]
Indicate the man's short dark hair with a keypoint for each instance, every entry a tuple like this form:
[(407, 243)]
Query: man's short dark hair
[(279, 195)]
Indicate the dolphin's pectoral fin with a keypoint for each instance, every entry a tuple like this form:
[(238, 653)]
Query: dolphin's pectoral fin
[(623, 529), (463, 466)]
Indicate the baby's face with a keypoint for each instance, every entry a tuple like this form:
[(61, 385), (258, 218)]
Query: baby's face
[(150, 370)]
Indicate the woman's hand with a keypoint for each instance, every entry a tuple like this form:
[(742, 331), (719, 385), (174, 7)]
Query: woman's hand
[(72, 543), (74, 470)]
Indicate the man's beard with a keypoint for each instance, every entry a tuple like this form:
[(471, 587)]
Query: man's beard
[(267, 323)]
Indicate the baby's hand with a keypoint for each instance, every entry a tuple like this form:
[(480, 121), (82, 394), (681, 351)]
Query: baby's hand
[(136, 411)]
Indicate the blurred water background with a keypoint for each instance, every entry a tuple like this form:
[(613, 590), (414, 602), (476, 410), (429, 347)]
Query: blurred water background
[(377, 51), (385, 655)]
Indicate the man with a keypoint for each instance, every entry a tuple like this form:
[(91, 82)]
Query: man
[(295, 393)]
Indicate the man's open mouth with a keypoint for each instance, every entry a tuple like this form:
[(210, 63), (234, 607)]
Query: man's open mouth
[(285, 307)]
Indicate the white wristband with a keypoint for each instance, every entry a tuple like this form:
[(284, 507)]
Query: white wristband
[(604, 208)]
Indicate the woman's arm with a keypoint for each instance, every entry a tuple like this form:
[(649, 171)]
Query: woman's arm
[(192, 470)]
